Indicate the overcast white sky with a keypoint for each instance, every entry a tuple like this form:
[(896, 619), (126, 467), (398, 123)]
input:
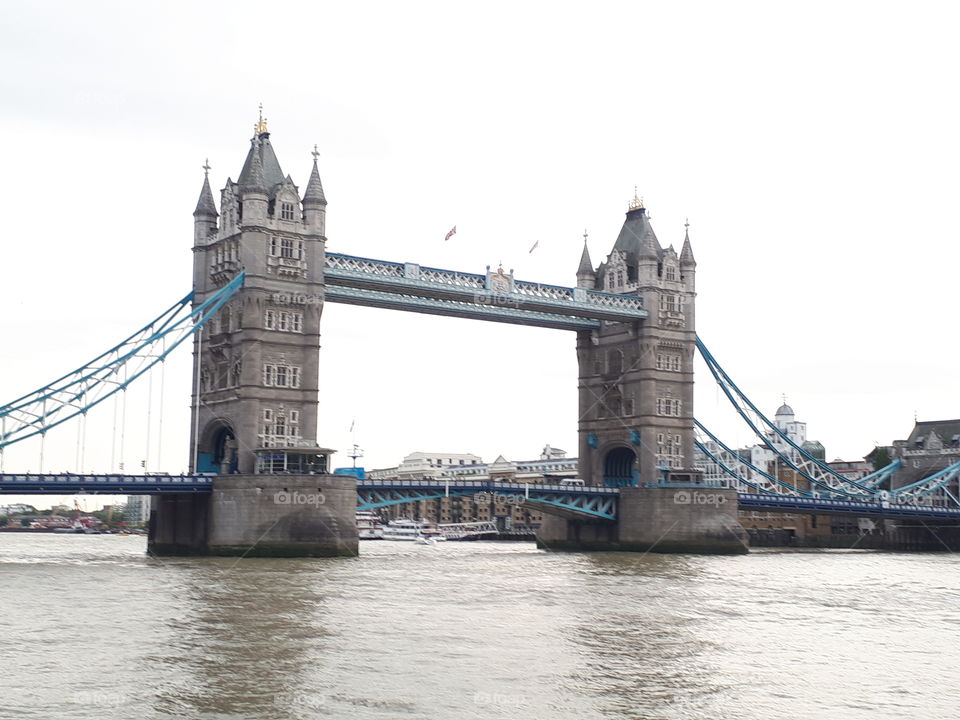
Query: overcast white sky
[(813, 146)]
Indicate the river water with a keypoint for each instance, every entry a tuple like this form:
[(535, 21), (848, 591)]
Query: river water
[(93, 628)]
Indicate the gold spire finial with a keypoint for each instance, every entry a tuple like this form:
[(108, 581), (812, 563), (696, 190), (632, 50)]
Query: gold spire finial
[(637, 202), (206, 167), (315, 153), (261, 126), (584, 236)]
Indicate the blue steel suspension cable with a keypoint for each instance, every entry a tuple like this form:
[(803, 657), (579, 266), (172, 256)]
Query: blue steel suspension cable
[(750, 465), (72, 393), (725, 381)]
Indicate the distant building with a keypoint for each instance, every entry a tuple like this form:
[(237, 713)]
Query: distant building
[(425, 466), (17, 509), (552, 466), (137, 509), (851, 469), (931, 447)]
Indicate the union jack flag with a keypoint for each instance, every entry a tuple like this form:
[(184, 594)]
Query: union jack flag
[(453, 231)]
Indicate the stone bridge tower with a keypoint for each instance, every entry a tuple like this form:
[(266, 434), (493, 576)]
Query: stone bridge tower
[(636, 379), (256, 362)]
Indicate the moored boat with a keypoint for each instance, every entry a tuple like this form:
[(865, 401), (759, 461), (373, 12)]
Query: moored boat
[(369, 526), (411, 530)]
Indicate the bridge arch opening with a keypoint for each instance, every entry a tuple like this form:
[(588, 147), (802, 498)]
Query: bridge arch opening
[(620, 468), (217, 452)]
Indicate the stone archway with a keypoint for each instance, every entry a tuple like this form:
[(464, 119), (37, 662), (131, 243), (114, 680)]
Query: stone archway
[(217, 452), (620, 468)]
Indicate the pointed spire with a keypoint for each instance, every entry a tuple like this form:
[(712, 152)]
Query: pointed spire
[(686, 254), (314, 192), (586, 267), (254, 181), (205, 205)]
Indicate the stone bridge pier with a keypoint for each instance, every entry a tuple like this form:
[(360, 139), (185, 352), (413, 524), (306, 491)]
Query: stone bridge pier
[(260, 516), (656, 519)]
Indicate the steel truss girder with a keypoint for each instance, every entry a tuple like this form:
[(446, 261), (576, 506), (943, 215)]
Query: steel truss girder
[(76, 483), (832, 506), (409, 279), (594, 503), (449, 308)]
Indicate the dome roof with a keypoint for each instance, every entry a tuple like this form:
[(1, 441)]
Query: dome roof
[(815, 448), (785, 410)]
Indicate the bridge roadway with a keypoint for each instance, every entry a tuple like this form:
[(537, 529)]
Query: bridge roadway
[(572, 501)]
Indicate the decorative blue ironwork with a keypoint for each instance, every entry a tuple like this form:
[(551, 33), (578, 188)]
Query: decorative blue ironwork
[(571, 501), (877, 478), (498, 297), (109, 373), (936, 484), (772, 481)]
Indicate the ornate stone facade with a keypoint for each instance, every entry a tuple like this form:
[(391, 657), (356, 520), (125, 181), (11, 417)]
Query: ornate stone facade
[(636, 379), (256, 362)]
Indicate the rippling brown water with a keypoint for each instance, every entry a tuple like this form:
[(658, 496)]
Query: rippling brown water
[(91, 628)]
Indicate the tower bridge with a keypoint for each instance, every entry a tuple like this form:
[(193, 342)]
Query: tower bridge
[(261, 276)]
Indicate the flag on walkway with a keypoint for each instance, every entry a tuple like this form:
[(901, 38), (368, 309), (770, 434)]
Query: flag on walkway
[(534, 246), (453, 231)]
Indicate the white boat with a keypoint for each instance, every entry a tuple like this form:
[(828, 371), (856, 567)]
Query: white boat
[(369, 526), (421, 540), (468, 530), (404, 529)]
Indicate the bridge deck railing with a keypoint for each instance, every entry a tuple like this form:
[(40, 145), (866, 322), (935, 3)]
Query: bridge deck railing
[(488, 485)]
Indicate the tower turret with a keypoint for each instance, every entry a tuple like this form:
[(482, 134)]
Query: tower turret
[(205, 216), (586, 276), (686, 253), (314, 201)]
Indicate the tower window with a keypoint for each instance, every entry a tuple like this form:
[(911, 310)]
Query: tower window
[(668, 362), (671, 303), (286, 247), (281, 375), (282, 320), (286, 211), (669, 407)]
